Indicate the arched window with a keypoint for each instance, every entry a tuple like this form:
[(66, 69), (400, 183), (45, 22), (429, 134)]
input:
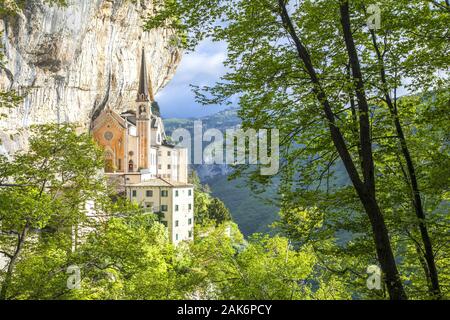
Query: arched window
[(109, 167), (130, 166), (142, 110)]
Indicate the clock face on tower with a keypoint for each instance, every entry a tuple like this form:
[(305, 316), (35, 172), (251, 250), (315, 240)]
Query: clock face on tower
[(108, 135)]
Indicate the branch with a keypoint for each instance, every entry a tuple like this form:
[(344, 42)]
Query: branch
[(6, 254), (8, 185), (321, 96)]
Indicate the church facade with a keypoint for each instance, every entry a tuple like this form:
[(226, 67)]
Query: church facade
[(138, 157)]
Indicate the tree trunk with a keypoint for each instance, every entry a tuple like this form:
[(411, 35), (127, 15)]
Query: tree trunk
[(383, 247), (366, 189), (369, 200), (364, 123), (12, 262), (431, 269)]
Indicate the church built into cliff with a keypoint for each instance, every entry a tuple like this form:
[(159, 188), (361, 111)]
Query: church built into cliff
[(150, 170)]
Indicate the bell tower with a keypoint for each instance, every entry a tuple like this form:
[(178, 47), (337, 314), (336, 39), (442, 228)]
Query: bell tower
[(143, 115)]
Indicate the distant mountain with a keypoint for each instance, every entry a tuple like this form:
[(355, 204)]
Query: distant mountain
[(222, 121), (249, 211)]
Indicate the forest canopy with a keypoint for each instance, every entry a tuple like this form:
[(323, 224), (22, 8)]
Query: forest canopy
[(356, 87)]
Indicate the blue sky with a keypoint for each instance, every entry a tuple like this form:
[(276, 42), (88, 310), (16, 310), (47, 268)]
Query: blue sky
[(202, 67)]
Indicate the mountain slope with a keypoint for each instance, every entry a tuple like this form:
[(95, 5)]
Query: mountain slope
[(249, 211)]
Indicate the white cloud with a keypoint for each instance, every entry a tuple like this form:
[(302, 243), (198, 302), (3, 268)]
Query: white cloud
[(202, 67)]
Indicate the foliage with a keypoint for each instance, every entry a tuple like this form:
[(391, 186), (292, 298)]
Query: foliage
[(46, 188), (262, 268), (218, 212), (330, 84), (207, 208), (50, 228)]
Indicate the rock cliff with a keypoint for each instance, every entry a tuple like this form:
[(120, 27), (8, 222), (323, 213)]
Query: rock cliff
[(69, 61)]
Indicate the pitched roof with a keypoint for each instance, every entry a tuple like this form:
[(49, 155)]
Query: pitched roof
[(130, 116), (103, 117)]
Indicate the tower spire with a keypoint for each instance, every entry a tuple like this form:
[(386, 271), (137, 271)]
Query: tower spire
[(143, 91)]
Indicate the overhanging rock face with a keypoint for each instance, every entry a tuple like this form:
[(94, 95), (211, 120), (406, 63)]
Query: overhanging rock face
[(69, 62)]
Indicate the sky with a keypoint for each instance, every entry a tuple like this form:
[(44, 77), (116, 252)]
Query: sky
[(202, 67)]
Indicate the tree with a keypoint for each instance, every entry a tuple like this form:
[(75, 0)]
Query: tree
[(296, 66), (223, 266), (44, 189), (201, 199), (127, 257), (206, 207), (218, 212)]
